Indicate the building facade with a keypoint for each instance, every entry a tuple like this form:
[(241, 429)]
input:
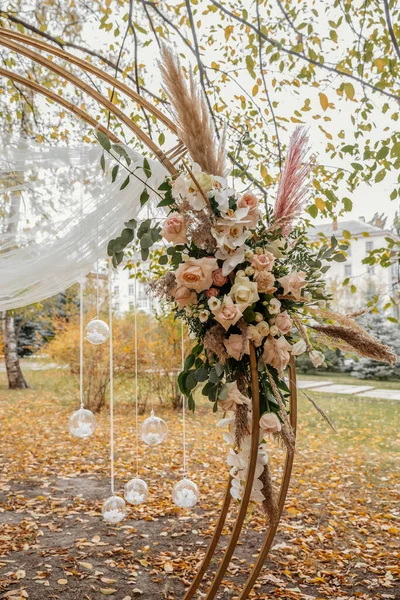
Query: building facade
[(365, 281)]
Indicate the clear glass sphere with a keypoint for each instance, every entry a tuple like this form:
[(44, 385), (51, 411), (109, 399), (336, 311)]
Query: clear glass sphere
[(82, 423), (114, 509), (153, 430), (185, 493), (97, 332), (136, 491)]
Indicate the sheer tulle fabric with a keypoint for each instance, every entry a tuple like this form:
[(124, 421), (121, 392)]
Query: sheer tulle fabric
[(58, 212)]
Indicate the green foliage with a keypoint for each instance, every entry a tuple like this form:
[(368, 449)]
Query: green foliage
[(387, 334)]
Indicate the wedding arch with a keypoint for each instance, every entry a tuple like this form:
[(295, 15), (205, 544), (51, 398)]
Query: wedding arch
[(39, 52)]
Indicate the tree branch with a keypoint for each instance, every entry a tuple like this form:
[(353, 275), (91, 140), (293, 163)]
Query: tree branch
[(390, 28), (286, 15), (300, 55)]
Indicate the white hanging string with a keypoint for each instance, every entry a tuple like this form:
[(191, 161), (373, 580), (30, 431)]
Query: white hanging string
[(81, 342), (111, 377), (183, 408), (136, 369)]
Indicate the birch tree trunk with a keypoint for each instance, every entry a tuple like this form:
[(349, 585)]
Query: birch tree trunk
[(15, 376)]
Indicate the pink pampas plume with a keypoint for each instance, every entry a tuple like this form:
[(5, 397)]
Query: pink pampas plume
[(293, 185)]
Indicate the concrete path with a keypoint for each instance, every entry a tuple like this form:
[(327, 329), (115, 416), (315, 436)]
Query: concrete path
[(360, 390), (385, 394)]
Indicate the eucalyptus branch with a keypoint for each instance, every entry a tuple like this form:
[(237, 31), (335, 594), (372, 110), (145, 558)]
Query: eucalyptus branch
[(301, 55), (126, 167)]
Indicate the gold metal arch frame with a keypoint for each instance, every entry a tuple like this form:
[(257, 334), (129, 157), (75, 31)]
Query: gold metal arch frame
[(22, 45)]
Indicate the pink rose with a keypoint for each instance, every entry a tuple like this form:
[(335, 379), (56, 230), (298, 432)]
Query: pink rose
[(218, 279), (283, 322), (212, 292), (265, 282), (227, 313), (233, 398), (196, 273), (277, 353), (174, 229), (293, 283), (270, 423), (259, 262), (236, 346), (183, 296), (251, 201)]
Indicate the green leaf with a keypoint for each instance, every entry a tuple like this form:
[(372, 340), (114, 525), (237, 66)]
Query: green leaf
[(313, 211), (382, 153), (161, 139), (114, 173), (223, 392), (348, 204), (201, 374), (127, 236), (131, 224), (380, 175), (121, 152), (146, 167), (189, 362), (146, 241), (104, 141), (198, 349), (395, 151), (145, 252), (339, 257), (190, 382), (163, 260), (103, 163), (144, 196), (144, 227), (125, 183)]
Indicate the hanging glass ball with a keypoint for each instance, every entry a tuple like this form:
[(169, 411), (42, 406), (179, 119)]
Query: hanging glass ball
[(97, 332), (185, 493), (136, 491), (82, 423), (153, 430), (114, 509)]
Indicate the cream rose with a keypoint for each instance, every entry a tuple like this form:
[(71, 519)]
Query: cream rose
[(265, 282), (277, 353), (261, 262), (227, 313), (263, 328), (254, 335), (196, 273), (293, 283), (174, 229), (204, 180), (236, 346), (233, 398), (274, 306), (283, 322), (270, 423), (184, 297), (244, 292)]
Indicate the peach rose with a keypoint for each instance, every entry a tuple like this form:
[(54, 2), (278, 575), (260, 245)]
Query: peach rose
[(254, 335), (276, 353), (218, 279), (227, 313), (174, 229), (196, 273), (263, 261), (270, 423), (293, 283), (183, 296), (283, 322), (250, 201), (265, 282), (212, 292), (233, 398), (236, 346)]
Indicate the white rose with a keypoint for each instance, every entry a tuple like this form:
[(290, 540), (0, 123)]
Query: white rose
[(299, 348), (214, 303), (317, 358), (263, 328), (274, 306), (203, 315), (204, 180), (249, 271), (244, 292), (273, 330)]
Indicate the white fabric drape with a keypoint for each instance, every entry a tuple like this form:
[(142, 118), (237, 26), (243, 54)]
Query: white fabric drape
[(58, 211)]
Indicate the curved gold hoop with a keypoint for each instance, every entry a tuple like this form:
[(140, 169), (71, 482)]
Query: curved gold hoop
[(20, 43)]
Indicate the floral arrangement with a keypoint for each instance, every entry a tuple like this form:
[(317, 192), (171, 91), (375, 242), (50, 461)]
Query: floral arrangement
[(243, 278)]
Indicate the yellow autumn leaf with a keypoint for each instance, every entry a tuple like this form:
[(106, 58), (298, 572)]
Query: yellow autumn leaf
[(62, 582), (228, 31), (255, 90), (319, 203), (323, 100), (349, 90), (107, 591)]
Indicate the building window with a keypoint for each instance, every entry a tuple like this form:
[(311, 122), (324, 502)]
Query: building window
[(116, 289), (131, 306), (131, 289), (369, 246), (116, 306), (347, 270)]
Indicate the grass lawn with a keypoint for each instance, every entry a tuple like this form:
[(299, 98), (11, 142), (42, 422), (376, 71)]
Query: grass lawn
[(339, 536)]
